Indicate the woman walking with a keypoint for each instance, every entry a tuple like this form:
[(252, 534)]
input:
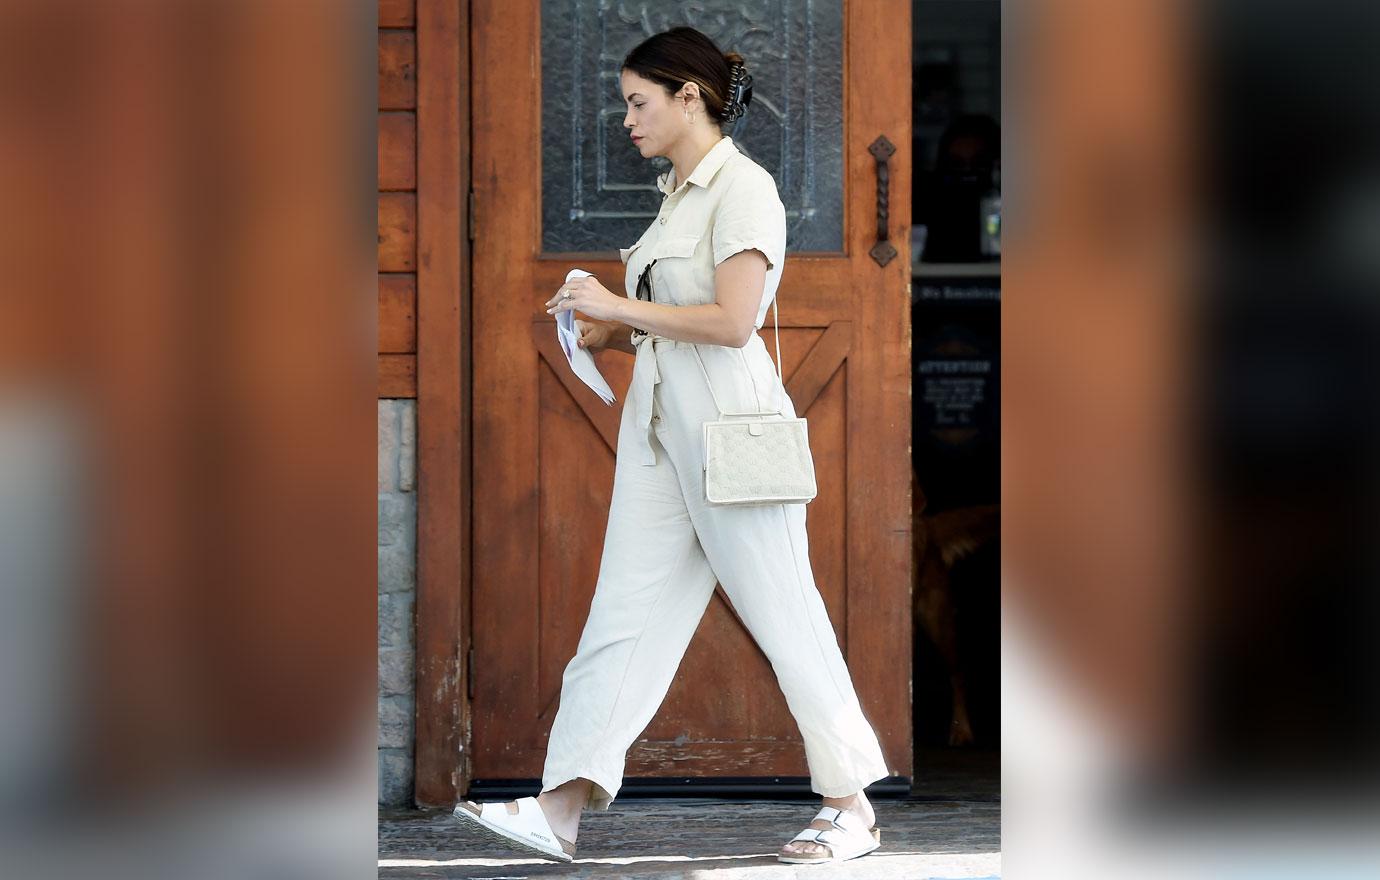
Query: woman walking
[(697, 287)]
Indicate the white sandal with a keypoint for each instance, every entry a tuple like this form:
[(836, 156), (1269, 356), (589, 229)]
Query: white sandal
[(848, 839), (527, 828)]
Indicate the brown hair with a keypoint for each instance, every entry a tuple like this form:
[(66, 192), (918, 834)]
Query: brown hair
[(683, 54)]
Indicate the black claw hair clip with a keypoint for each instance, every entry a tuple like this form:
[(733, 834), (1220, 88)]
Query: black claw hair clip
[(739, 92)]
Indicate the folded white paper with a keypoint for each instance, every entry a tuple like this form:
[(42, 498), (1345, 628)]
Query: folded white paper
[(581, 361)]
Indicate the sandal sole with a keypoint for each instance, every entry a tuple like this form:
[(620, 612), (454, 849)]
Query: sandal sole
[(503, 836), (828, 860)]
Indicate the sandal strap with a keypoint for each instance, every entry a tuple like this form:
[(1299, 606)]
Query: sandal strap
[(834, 838), (497, 813), (533, 817), (845, 820), (817, 835), (828, 814), (847, 826), (531, 806), (830, 836), (529, 820)]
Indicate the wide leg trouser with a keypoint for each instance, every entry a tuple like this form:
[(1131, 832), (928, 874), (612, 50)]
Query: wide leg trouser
[(664, 549)]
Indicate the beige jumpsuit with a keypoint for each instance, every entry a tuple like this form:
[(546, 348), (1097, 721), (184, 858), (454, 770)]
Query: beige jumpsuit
[(665, 547)]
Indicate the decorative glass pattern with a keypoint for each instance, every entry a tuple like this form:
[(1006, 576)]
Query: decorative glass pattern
[(598, 194)]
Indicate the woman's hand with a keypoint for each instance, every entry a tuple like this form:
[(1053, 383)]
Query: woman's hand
[(586, 295), (593, 334)]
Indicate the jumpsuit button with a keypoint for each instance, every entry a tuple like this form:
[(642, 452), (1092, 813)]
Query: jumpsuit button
[(661, 220)]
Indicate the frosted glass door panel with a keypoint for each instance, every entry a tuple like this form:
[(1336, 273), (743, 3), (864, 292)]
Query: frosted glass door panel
[(598, 194)]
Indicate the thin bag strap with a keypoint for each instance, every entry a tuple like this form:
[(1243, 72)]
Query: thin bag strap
[(780, 383)]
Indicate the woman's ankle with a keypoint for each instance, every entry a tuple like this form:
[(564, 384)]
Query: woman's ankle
[(857, 802), (567, 805)]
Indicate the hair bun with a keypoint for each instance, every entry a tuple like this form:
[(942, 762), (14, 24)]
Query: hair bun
[(739, 91)]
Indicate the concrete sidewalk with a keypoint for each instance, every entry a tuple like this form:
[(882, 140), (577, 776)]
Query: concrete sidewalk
[(704, 838)]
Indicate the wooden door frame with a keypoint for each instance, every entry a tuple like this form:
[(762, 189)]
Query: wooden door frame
[(443, 401), (879, 415), (444, 378)]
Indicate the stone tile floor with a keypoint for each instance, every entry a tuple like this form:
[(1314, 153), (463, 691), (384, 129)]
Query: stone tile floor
[(705, 838)]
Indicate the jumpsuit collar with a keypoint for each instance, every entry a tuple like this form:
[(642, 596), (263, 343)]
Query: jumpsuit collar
[(705, 171)]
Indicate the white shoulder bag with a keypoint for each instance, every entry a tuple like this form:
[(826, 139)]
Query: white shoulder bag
[(756, 460)]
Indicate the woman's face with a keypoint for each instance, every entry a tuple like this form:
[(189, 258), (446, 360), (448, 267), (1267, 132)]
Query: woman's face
[(654, 119)]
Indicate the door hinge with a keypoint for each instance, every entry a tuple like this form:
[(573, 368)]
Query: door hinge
[(471, 215), (469, 673)]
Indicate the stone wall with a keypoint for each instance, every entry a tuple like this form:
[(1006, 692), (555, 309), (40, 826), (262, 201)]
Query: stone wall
[(397, 597)]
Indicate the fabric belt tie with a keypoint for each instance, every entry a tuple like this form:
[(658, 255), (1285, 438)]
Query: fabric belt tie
[(644, 380)]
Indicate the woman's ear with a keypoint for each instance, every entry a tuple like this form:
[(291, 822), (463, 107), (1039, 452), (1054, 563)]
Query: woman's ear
[(689, 92)]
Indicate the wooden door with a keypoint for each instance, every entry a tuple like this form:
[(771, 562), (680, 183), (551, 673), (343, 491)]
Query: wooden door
[(556, 185)]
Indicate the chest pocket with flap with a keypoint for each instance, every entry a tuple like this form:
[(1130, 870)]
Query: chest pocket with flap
[(676, 277), (676, 246)]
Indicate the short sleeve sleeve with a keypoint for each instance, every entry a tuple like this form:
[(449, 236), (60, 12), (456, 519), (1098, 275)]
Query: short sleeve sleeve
[(751, 215)]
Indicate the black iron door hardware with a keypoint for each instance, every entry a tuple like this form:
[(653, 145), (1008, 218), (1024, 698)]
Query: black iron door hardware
[(883, 251)]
